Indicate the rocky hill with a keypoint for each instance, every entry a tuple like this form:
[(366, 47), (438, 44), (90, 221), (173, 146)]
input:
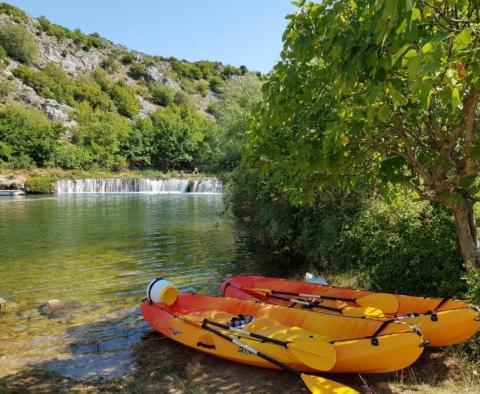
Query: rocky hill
[(78, 55), (110, 107)]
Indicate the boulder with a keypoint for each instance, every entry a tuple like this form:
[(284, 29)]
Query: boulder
[(57, 308), (58, 112), (146, 108), (154, 74)]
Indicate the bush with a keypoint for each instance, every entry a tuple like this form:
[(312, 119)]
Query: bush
[(5, 88), (102, 134), (32, 137), (137, 70), (128, 58), (41, 185), (181, 98), (202, 88), (125, 100), (406, 247), (110, 64), (17, 14), (3, 58), (87, 89), (162, 95), (19, 43), (216, 84), (187, 70), (51, 82), (72, 157), (61, 33)]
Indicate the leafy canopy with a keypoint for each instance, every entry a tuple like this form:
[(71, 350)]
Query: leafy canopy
[(387, 90)]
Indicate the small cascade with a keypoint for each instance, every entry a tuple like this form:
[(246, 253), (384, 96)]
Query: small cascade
[(207, 185), (138, 185)]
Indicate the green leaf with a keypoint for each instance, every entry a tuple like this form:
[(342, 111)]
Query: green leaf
[(425, 94), (414, 66), (416, 15), (465, 36), (427, 47), (455, 98), (399, 53), (384, 113)]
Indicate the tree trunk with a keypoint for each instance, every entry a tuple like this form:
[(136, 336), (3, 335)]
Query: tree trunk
[(467, 234)]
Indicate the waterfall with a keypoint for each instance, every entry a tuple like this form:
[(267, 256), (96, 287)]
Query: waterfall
[(208, 185), (138, 185)]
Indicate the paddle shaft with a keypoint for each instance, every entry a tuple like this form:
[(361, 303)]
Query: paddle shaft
[(307, 303), (322, 297), (249, 349), (245, 332)]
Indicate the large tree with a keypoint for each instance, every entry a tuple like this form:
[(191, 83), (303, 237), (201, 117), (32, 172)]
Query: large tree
[(385, 91)]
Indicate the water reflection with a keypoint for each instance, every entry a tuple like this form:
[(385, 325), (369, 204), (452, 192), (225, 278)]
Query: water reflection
[(98, 252)]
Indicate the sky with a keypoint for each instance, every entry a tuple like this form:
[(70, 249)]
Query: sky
[(237, 32)]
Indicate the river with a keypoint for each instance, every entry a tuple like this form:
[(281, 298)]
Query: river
[(97, 253)]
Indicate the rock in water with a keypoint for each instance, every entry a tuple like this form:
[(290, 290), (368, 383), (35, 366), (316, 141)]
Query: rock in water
[(57, 308)]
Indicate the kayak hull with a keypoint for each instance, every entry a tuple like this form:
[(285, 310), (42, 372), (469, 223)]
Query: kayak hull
[(398, 345), (453, 321)]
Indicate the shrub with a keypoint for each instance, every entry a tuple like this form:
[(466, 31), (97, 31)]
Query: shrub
[(229, 71), (216, 84), (207, 68), (61, 33), (5, 88), (19, 43), (137, 70), (125, 100), (187, 70), (187, 85), (31, 136), (102, 134), (3, 58), (128, 58), (87, 89), (72, 157), (162, 95), (110, 64), (181, 98), (17, 14), (202, 88), (51, 82), (41, 184), (406, 247)]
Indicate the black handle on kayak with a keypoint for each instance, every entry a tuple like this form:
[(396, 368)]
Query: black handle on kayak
[(322, 297), (279, 364), (252, 334)]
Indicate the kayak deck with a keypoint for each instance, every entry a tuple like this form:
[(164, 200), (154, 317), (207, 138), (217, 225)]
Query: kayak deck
[(397, 345), (443, 322)]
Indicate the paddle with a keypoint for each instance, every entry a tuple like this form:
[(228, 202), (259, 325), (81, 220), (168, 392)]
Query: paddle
[(388, 303), (355, 312), (315, 384), (313, 353)]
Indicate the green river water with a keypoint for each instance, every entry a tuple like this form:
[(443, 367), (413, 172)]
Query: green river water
[(97, 253)]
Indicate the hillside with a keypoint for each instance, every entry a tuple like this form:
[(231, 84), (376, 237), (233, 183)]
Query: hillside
[(78, 101)]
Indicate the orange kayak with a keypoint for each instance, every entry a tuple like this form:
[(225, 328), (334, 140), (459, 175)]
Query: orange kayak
[(442, 321), (353, 344)]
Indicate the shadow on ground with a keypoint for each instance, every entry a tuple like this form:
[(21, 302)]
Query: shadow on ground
[(155, 364)]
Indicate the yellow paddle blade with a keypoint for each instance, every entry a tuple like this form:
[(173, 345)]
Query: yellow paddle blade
[(315, 354), (319, 385), (363, 311), (388, 303)]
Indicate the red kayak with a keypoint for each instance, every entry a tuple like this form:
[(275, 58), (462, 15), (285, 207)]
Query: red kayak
[(443, 321)]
